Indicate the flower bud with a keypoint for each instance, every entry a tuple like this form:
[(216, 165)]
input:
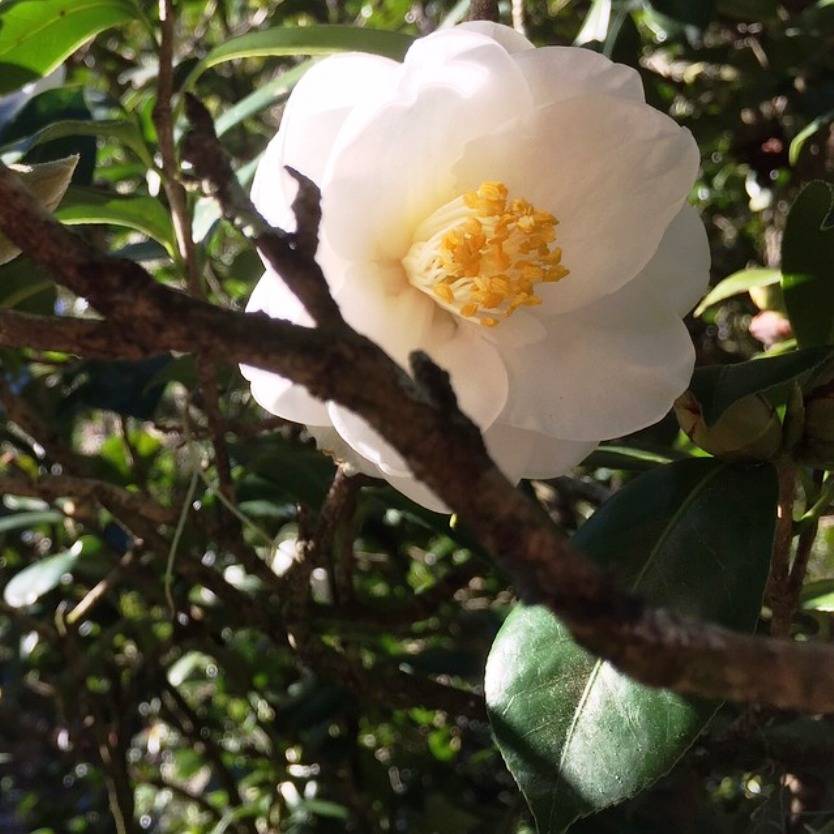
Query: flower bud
[(748, 430), (817, 443)]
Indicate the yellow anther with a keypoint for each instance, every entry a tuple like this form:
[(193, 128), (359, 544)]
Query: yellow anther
[(485, 251), (444, 292)]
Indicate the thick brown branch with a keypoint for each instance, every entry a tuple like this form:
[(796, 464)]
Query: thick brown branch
[(83, 337)]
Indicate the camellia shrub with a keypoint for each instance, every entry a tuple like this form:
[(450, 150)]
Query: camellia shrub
[(416, 417)]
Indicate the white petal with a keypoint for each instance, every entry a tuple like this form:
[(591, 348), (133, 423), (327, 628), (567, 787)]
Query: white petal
[(614, 172), (330, 442), (606, 370), (477, 371), (511, 40), (419, 493), (478, 376), (277, 394), (313, 116), (678, 274), (561, 72), (392, 165), (520, 453), (378, 302), (367, 442)]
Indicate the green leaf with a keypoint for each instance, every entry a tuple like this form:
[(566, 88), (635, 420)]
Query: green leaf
[(121, 131), (738, 282), (577, 735), (48, 182), (696, 13), (27, 287), (141, 213), (805, 134), (261, 98), (22, 520), (304, 40), (614, 456), (717, 387), (808, 265), (299, 473), (38, 35), (818, 596), (40, 577)]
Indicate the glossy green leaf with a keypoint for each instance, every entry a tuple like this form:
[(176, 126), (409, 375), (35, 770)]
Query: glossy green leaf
[(577, 735), (141, 213), (261, 98), (304, 40), (39, 578), (805, 134), (717, 387), (119, 130), (808, 265), (37, 35), (738, 282)]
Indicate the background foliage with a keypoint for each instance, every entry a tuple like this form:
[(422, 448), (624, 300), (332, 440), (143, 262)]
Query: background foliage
[(157, 678)]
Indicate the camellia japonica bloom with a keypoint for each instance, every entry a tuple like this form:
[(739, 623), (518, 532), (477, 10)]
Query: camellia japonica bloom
[(518, 213)]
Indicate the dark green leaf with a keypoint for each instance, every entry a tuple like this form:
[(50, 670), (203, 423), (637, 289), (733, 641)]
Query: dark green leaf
[(121, 131), (141, 213), (126, 387), (577, 735), (808, 265), (37, 35), (261, 98), (717, 387), (300, 472), (306, 40), (62, 104), (27, 287), (696, 13)]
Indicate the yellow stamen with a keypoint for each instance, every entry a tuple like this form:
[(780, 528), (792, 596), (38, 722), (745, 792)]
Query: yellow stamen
[(485, 251)]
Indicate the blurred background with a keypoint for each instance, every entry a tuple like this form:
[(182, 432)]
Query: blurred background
[(146, 677)]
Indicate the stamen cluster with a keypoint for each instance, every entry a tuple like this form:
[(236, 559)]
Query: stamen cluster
[(487, 264)]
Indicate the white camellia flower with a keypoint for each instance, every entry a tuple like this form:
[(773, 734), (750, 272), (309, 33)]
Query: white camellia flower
[(518, 213)]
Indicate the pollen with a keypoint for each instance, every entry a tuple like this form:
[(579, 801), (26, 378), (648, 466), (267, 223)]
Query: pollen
[(481, 255)]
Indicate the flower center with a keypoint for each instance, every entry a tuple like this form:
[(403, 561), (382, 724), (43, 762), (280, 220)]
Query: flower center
[(481, 255)]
